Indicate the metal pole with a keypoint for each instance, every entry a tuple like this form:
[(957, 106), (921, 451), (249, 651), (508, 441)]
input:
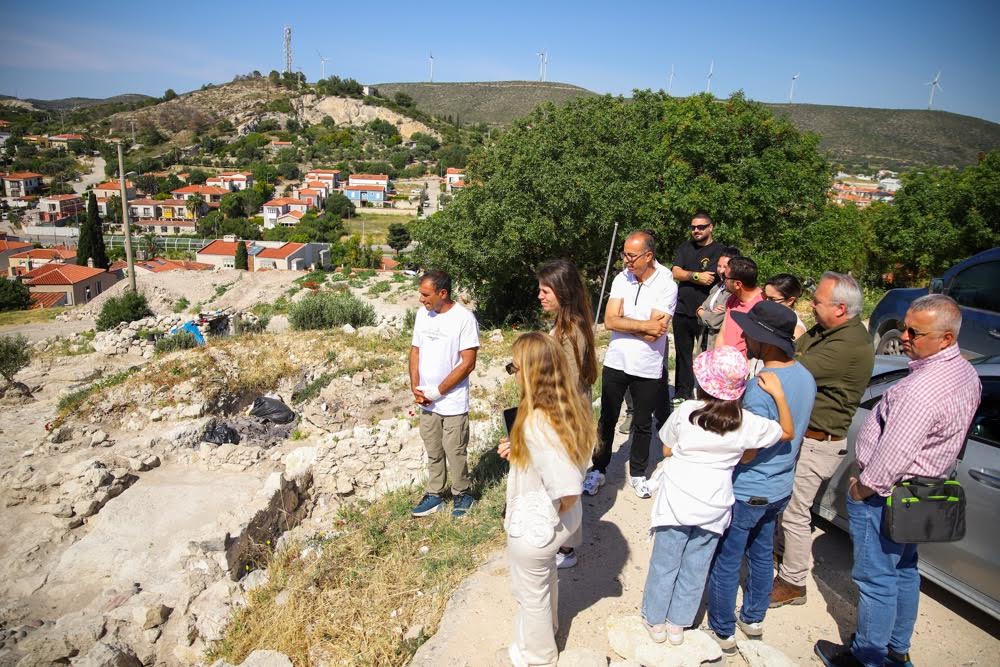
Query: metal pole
[(607, 269), (125, 225)]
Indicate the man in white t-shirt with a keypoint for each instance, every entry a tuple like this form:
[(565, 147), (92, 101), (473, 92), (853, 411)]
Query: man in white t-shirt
[(642, 301), (442, 355)]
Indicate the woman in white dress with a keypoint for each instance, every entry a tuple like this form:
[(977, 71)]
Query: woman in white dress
[(549, 449)]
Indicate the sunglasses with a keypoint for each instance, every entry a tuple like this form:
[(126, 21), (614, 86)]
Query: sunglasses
[(913, 334), (776, 299), (700, 227), (511, 368)]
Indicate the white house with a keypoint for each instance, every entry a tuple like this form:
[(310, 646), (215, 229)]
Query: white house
[(276, 208), (329, 176), (231, 180), (21, 183), (369, 179)]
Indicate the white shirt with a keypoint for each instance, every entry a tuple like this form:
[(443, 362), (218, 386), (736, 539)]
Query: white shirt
[(628, 352), (694, 486), (441, 338)]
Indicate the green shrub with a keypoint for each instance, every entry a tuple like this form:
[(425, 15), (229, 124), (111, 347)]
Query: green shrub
[(14, 295), (245, 326), (381, 287), (181, 304), (325, 310), (182, 340), (409, 319), (15, 354), (128, 307)]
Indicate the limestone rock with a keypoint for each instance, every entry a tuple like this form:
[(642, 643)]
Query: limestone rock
[(98, 437), (299, 462), (86, 508), (628, 638), (151, 616), (414, 632), (259, 658), (759, 654), (213, 609), (71, 635), (104, 654), (254, 579), (348, 329), (582, 657)]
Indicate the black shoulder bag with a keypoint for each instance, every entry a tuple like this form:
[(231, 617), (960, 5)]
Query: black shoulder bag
[(925, 509)]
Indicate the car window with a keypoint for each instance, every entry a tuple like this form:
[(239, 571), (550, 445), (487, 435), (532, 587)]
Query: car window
[(976, 287), (986, 423)]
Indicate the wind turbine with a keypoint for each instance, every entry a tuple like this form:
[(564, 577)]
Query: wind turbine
[(322, 62), (545, 67), (541, 65), (670, 84), (711, 71), (791, 91), (933, 83), (430, 59)]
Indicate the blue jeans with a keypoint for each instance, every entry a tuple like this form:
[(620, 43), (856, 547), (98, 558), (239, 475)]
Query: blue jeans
[(888, 584), (677, 570), (751, 532)]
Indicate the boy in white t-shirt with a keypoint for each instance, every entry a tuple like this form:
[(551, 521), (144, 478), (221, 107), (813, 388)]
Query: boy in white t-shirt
[(442, 355)]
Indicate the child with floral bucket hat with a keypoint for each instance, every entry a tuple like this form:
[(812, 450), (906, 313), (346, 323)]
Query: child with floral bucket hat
[(703, 440)]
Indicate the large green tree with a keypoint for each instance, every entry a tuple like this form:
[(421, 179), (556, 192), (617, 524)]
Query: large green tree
[(90, 245), (558, 180), (242, 260), (399, 237)]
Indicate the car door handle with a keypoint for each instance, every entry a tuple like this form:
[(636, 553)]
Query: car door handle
[(995, 333), (988, 477)]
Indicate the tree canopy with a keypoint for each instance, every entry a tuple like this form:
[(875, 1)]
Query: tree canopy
[(555, 184)]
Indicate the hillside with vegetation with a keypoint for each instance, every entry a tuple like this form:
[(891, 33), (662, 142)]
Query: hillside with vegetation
[(489, 102), (863, 139)]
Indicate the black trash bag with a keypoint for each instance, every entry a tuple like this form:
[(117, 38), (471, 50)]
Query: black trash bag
[(220, 434), (272, 410)]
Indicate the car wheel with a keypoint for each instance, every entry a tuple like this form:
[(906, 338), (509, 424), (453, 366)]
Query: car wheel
[(889, 343)]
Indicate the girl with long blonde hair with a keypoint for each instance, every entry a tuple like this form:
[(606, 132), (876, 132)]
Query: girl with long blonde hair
[(550, 446)]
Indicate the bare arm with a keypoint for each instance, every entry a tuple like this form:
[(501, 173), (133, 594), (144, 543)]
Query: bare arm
[(667, 452), (567, 502), (721, 337), (615, 320), (682, 275), (415, 376), (460, 372), (748, 456), (770, 383)]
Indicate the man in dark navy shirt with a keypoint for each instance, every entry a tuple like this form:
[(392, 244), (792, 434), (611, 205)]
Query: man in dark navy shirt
[(694, 269)]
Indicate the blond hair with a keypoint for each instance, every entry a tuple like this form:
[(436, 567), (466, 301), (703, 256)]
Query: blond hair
[(546, 386)]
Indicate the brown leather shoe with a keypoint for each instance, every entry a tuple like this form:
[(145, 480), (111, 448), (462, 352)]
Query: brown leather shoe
[(783, 593)]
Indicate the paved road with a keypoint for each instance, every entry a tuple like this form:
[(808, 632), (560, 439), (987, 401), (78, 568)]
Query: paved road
[(95, 176)]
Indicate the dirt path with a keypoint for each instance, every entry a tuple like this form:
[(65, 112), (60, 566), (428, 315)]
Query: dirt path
[(610, 576)]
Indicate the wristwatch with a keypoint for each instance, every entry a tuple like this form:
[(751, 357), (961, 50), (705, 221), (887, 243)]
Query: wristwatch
[(694, 277)]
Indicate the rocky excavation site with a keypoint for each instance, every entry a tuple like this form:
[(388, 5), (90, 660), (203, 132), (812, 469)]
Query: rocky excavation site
[(142, 491)]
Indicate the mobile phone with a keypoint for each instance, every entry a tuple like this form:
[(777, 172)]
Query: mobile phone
[(509, 415)]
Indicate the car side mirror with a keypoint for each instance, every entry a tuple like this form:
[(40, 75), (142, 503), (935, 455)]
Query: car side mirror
[(937, 286)]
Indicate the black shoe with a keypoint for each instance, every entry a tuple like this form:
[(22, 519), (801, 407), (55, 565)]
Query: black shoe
[(898, 659), (835, 655)]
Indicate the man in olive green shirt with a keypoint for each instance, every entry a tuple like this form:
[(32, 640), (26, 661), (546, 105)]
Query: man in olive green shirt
[(838, 352)]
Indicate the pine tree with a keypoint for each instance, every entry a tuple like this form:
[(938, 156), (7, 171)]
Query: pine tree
[(85, 247), (241, 257), (100, 252)]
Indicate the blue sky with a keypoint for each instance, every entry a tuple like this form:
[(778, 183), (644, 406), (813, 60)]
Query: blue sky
[(858, 54)]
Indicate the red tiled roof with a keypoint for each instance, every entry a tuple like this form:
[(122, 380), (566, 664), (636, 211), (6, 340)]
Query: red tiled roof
[(294, 214), (280, 201), (61, 198), (67, 137), (47, 299), (60, 274), (316, 184), (235, 175), (458, 184), (20, 175), (283, 252), (224, 248), (280, 143), (157, 202), (165, 222), (120, 265), (366, 188), (309, 191), (454, 170), (114, 185), (323, 171), (371, 177), (12, 245), (200, 189), (46, 253)]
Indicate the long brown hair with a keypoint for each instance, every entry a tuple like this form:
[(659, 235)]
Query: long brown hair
[(546, 387), (717, 415), (575, 317)]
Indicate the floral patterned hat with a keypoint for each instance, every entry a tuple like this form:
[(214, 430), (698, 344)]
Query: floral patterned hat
[(722, 372)]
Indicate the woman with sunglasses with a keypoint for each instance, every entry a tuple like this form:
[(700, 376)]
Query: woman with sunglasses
[(785, 289), (549, 449), (561, 292)]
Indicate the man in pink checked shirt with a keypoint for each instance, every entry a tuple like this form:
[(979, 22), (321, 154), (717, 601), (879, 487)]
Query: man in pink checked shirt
[(917, 429)]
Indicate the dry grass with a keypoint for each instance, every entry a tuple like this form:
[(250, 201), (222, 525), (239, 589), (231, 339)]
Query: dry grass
[(33, 316), (370, 583)]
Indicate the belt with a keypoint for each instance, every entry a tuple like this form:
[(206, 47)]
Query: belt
[(819, 435)]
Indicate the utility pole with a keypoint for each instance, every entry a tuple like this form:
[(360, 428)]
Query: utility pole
[(125, 225)]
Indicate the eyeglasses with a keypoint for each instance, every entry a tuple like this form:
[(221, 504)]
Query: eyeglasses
[(913, 334), (511, 368), (700, 227), (776, 299), (632, 258)]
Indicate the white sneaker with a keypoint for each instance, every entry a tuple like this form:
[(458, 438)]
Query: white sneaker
[(565, 560), (675, 634), (593, 481), (639, 486)]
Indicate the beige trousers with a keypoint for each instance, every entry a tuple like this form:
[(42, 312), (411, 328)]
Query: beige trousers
[(818, 460), (446, 439), (534, 583)]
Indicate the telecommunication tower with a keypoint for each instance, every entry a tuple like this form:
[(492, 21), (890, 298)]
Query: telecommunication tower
[(288, 49)]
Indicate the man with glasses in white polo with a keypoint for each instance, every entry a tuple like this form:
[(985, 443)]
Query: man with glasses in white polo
[(642, 301)]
